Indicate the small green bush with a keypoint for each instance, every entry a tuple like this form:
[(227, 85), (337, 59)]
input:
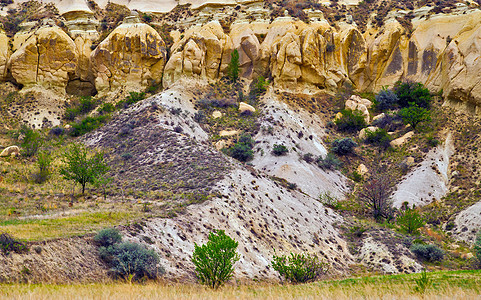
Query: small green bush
[(133, 98), (351, 121), (242, 150), (415, 92), (386, 99), (343, 146), (378, 137), (308, 158), (431, 253), (410, 221), (106, 108), (330, 162), (8, 244), (477, 247), (84, 105), (234, 66), (279, 150), (299, 268), (44, 162), (127, 259), (107, 237), (87, 124), (414, 115), (214, 261), (32, 141)]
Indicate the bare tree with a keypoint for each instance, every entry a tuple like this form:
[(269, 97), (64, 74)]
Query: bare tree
[(375, 195)]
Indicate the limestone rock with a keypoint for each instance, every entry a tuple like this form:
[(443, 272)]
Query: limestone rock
[(244, 107), (362, 169), (401, 140), (216, 114), (132, 57), (4, 55), (363, 132), (228, 132), (204, 52), (378, 117), (357, 103), (10, 151), (48, 58)]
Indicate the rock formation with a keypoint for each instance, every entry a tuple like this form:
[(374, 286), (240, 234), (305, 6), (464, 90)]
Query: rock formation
[(132, 56), (4, 54), (48, 58)]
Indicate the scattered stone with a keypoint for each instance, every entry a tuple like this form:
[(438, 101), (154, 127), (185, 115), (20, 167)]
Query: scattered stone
[(357, 103), (402, 140), (362, 169), (363, 132), (10, 151), (243, 107), (228, 132), (216, 114), (378, 117)]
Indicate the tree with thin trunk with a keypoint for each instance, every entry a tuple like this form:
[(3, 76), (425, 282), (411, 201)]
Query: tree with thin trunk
[(375, 195), (234, 66), (83, 167)]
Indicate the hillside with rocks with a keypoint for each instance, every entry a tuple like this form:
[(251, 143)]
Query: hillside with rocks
[(149, 84)]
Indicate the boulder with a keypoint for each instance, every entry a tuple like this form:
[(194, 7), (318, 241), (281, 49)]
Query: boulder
[(357, 103), (132, 57), (363, 132), (401, 140), (362, 169), (10, 151), (244, 107), (216, 114), (48, 58)]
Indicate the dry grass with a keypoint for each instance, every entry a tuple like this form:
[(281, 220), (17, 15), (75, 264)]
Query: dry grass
[(446, 285)]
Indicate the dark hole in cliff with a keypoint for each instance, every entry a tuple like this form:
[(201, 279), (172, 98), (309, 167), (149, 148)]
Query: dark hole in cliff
[(81, 88)]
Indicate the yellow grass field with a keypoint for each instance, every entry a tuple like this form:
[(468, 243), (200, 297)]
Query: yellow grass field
[(445, 285)]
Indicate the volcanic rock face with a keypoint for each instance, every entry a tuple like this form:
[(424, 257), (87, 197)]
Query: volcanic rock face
[(47, 58), (132, 56)]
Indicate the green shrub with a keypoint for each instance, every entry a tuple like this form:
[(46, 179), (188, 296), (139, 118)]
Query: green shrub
[(477, 247), (350, 121), (44, 162), (410, 221), (131, 259), (329, 200), (386, 99), (299, 268), (431, 253), (32, 141), (242, 150), (415, 92), (279, 150), (107, 237), (414, 114), (106, 108), (343, 146), (257, 88), (234, 66), (87, 124), (82, 167), (132, 98), (8, 244), (423, 283), (308, 158), (214, 261), (378, 137), (84, 105), (330, 162)]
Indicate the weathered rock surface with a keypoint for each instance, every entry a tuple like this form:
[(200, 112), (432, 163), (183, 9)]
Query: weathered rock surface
[(131, 57), (48, 58), (468, 223), (4, 55)]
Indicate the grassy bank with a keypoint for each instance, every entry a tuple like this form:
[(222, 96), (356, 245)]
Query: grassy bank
[(445, 285)]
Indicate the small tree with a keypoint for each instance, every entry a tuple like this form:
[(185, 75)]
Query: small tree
[(279, 150), (82, 167), (350, 121), (414, 115), (44, 162), (410, 221), (234, 66), (214, 261), (375, 196), (477, 247), (408, 92), (299, 268), (32, 141)]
